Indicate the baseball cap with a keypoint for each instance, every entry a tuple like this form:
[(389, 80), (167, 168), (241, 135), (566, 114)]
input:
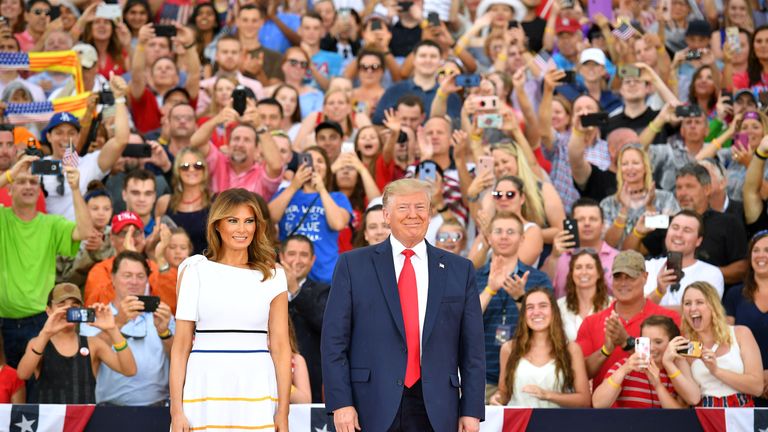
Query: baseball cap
[(65, 291), (746, 91), (123, 219), (566, 25), (630, 263), (698, 27), (329, 125), (87, 54), (59, 119), (592, 54)]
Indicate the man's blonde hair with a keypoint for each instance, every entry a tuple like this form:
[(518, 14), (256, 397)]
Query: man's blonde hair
[(404, 187)]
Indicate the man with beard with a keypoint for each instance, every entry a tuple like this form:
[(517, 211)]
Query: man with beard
[(254, 162)]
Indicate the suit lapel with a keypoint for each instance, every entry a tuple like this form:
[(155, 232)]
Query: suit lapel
[(437, 275), (385, 270)]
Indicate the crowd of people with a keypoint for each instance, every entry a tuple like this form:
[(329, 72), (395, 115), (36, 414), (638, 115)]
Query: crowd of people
[(603, 170)]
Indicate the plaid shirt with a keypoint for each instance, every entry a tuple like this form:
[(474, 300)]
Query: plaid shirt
[(562, 177)]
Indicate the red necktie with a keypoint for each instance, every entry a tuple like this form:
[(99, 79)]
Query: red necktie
[(409, 302)]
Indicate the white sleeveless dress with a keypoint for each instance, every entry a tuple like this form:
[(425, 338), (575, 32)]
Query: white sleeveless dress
[(230, 382), (542, 376)]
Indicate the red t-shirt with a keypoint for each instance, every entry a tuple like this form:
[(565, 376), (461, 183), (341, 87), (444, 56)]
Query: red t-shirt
[(387, 172), (637, 391), (6, 200), (146, 113), (112, 66), (9, 383), (346, 235), (591, 334)]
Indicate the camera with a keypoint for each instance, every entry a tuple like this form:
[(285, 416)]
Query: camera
[(106, 97)]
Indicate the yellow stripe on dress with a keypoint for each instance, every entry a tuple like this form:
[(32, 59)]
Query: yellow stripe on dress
[(231, 399), (232, 427)]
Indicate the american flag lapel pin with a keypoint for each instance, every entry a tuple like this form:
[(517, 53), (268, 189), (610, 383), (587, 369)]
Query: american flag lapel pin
[(441, 265)]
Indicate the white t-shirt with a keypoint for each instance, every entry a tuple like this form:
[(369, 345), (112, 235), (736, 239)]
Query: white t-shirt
[(698, 272), (62, 204)]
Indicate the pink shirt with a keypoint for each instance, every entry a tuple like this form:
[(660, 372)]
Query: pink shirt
[(224, 177), (26, 43), (606, 254)]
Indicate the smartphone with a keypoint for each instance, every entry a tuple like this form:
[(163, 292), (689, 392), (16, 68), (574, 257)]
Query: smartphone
[(487, 103), (468, 80), (569, 78), (660, 221), (137, 151), (306, 159), (728, 96), (484, 164), (512, 24), (165, 31), (347, 147), (643, 348), (81, 315), (405, 6), (150, 302), (433, 18), (741, 140), (572, 226), (55, 13), (693, 54), (111, 12), (732, 36), (46, 167), (402, 138), (675, 262), (567, 4), (239, 97), (693, 349), (376, 24), (489, 121), (684, 111), (428, 172), (597, 119), (629, 71)]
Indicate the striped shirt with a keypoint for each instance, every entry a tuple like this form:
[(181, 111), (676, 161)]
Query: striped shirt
[(637, 391)]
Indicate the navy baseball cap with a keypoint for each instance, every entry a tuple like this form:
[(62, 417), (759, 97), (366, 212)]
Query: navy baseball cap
[(59, 119)]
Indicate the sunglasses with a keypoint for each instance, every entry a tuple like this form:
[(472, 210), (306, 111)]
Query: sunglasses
[(197, 166), (498, 195), (452, 237), (370, 67), (301, 63), (39, 12)]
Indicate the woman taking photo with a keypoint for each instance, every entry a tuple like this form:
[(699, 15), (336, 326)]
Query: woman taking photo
[(730, 370), (749, 128), (231, 302), (746, 305), (190, 201), (336, 108), (539, 367), (585, 291), (103, 35), (353, 179), (307, 207)]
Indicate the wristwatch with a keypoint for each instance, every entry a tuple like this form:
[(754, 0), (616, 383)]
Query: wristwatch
[(630, 345)]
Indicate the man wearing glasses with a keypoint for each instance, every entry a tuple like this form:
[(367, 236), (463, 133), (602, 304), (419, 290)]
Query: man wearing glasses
[(502, 283)]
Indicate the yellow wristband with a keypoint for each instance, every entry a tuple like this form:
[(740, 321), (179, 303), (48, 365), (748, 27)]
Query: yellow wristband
[(675, 375), (458, 50), (503, 56), (441, 94), (654, 129), (8, 176), (120, 346), (617, 224), (604, 351), (490, 291), (637, 233), (613, 383), (658, 293), (759, 154), (549, 30)]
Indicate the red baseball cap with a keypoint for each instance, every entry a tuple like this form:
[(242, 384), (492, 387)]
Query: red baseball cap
[(123, 219), (567, 25)]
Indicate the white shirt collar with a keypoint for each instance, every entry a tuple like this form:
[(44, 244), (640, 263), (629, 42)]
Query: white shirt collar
[(397, 248)]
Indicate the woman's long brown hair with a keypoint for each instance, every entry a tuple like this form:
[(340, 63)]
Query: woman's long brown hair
[(600, 300), (750, 284), (556, 337), (261, 253)]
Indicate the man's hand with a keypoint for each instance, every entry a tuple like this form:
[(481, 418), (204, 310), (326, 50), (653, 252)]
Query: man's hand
[(345, 419), (162, 318), (130, 307), (469, 424), (118, 85), (615, 333)]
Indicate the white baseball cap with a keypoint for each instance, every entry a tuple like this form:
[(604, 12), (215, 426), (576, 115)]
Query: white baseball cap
[(592, 54), (87, 54)]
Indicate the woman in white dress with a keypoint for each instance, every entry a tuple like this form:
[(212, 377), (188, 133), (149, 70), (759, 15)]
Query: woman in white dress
[(539, 367), (233, 304), (585, 291)]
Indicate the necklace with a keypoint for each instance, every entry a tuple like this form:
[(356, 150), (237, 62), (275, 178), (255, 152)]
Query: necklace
[(192, 201)]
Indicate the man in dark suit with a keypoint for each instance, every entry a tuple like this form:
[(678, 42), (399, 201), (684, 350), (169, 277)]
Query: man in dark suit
[(306, 305), (402, 324)]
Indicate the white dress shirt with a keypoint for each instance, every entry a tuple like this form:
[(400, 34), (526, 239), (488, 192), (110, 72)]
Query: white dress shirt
[(420, 267)]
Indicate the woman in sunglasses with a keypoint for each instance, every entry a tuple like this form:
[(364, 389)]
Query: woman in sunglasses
[(585, 291), (452, 237), (295, 66), (746, 306), (190, 201), (370, 71)]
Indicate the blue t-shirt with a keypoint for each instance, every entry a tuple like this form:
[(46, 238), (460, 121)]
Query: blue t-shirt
[(502, 310), (327, 63), (315, 226), (746, 313), (270, 35)]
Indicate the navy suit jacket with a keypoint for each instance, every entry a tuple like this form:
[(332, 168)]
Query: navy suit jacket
[(363, 340)]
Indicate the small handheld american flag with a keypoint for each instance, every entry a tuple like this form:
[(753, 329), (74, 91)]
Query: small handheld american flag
[(71, 158), (624, 31)]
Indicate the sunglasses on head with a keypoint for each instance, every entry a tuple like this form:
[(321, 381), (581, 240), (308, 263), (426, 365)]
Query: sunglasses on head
[(500, 195), (370, 67), (452, 237), (301, 63), (197, 166)]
